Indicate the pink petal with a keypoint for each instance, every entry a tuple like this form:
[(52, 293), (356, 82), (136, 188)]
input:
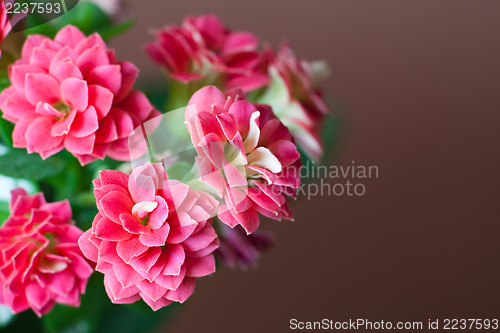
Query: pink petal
[(141, 187), (80, 266), (41, 88), (151, 289), (37, 295), (156, 237), (127, 276), (42, 56), (172, 282), (64, 55), (60, 210), (108, 253), (113, 177), (129, 74), (182, 293), (17, 74), (92, 59), (69, 35), (133, 225), (15, 106), (129, 249), (115, 203), (83, 145), (272, 131), (75, 92), (175, 259), (45, 109), (156, 305), (242, 112), (159, 215), (181, 227), (226, 217), (107, 76), (31, 42), (117, 293), (107, 131), (62, 126), (240, 41), (85, 123), (156, 269), (235, 177), (145, 261), (203, 100), (66, 69), (248, 83), (198, 267), (37, 138), (123, 122), (200, 240), (101, 98), (249, 220), (109, 230), (137, 104)]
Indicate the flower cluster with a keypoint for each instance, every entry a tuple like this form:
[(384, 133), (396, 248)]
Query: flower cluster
[(246, 154), (203, 49), (72, 93), (152, 236), (298, 102), (40, 261)]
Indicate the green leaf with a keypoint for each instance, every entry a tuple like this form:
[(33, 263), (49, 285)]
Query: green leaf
[(179, 170), (276, 94), (86, 16), (16, 163), (4, 214), (136, 317), (6, 129), (332, 134), (116, 30)]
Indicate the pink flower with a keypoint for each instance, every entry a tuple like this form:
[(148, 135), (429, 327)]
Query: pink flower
[(203, 49), (71, 93), (152, 236), (246, 154), (239, 249), (298, 104), (40, 261)]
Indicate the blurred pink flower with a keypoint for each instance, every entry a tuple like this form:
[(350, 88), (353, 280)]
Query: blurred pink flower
[(152, 236), (295, 97), (246, 154), (6, 22), (71, 93), (239, 249), (40, 261), (202, 48)]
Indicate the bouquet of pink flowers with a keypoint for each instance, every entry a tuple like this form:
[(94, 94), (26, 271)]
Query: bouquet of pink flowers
[(136, 197)]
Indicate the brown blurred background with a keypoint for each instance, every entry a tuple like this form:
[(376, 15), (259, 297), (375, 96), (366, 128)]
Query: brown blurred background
[(418, 85)]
